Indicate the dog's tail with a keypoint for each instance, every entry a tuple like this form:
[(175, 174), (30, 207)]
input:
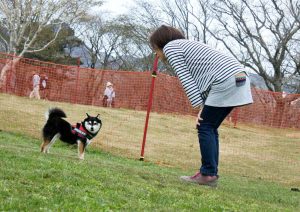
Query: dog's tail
[(55, 112)]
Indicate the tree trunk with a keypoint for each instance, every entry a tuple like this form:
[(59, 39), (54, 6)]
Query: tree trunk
[(8, 75)]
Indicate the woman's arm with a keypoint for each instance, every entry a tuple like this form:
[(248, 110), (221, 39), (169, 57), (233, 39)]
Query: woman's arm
[(175, 57)]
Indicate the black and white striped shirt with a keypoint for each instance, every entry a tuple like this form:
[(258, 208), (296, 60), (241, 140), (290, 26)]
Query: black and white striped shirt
[(198, 67)]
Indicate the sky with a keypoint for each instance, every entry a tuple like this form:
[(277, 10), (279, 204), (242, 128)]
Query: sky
[(117, 7)]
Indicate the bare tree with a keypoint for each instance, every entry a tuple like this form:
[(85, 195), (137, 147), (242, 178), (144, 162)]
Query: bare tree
[(177, 14), (123, 41), (138, 25), (4, 37), (263, 35), (117, 43), (192, 17), (146, 14), (102, 37), (134, 50), (203, 20), (91, 31), (24, 20)]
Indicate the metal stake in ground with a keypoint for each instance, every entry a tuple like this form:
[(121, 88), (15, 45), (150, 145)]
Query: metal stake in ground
[(154, 74)]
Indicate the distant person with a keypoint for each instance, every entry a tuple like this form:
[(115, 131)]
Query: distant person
[(35, 93), (44, 86), (213, 81), (109, 95)]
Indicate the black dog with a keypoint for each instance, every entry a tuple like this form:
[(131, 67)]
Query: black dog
[(58, 128)]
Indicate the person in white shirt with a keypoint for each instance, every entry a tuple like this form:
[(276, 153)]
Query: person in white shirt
[(109, 94), (35, 93)]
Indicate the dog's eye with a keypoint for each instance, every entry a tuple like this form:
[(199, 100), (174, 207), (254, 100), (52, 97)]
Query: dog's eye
[(90, 122)]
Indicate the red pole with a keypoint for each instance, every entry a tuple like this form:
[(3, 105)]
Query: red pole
[(235, 117), (154, 74)]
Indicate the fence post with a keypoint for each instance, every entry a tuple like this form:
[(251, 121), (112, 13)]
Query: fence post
[(235, 117), (77, 78)]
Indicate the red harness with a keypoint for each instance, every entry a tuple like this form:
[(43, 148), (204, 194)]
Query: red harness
[(81, 132)]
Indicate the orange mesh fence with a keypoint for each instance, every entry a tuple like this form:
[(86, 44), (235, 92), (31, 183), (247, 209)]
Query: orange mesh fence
[(270, 109), (85, 86)]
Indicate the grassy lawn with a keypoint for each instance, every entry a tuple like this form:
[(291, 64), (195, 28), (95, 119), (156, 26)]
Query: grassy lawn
[(258, 165), (32, 181)]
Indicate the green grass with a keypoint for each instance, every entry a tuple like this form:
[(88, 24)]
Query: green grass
[(248, 151), (58, 181), (258, 165)]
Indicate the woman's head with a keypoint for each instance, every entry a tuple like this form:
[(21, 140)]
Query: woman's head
[(163, 35)]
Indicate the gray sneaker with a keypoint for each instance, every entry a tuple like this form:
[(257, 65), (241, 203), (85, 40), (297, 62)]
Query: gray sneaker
[(200, 179)]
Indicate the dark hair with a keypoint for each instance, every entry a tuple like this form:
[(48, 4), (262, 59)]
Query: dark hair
[(163, 35)]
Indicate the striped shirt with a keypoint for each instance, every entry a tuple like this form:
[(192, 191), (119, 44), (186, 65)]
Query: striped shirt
[(198, 67)]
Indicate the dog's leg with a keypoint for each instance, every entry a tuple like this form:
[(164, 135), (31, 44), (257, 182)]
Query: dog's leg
[(81, 147), (88, 142), (57, 136), (44, 145)]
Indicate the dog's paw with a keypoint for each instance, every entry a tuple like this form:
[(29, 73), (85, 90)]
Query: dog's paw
[(81, 157)]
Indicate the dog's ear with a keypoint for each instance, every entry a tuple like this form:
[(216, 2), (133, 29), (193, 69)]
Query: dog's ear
[(87, 115), (97, 115)]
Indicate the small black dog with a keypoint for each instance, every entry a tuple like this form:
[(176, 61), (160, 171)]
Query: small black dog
[(58, 128)]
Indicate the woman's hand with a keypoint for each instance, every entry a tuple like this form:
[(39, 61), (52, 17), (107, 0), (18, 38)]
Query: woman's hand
[(198, 118)]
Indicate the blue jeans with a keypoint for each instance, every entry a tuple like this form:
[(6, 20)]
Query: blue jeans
[(209, 137)]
